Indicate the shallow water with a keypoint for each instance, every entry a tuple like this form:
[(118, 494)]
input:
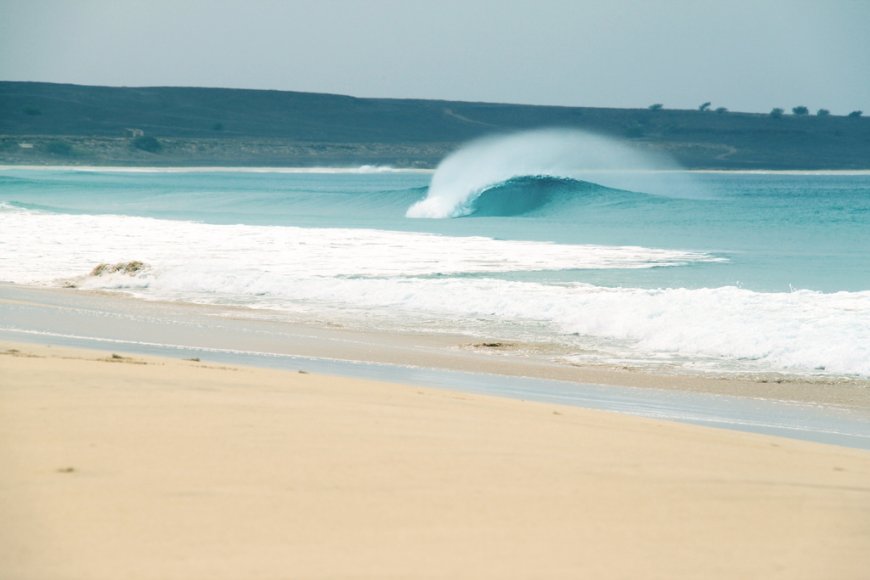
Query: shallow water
[(748, 272)]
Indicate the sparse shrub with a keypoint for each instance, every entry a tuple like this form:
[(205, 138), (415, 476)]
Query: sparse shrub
[(776, 113), (800, 111), (635, 131), (823, 113), (59, 148), (721, 110), (705, 106), (855, 114), (146, 143), (656, 107)]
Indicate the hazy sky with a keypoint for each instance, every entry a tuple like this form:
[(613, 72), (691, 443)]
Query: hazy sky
[(744, 55)]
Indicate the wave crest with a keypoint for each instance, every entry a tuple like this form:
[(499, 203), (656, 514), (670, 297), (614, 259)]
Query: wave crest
[(555, 154)]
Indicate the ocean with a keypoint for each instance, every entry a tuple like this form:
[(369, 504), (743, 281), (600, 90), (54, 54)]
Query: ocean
[(612, 258)]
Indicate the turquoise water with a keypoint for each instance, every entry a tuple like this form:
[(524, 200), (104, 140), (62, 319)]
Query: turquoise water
[(778, 232), (754, 272)]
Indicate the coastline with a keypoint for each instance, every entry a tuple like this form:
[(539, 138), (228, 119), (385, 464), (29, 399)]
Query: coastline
[(136, 321), (284, 128), (373, 168), (834, 411), (349, 168), (153, 467)]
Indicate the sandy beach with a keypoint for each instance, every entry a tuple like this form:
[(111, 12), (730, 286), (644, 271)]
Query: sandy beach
[(148, 468), (434, 291)]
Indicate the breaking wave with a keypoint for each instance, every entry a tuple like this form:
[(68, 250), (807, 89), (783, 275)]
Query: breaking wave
[(527, 194), (527, 168)]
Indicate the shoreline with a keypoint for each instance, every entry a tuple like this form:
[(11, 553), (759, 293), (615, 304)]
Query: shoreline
[(367, 168), (825, 411), (152, 467), (326, 339)]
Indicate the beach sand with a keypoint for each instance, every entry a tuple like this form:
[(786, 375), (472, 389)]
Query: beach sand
[(146, 468)]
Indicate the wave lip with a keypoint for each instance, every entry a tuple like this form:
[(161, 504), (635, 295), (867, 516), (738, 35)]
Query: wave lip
[(517, 195)]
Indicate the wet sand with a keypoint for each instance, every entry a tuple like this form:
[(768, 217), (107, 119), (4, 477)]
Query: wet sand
[(117, 317), (143, 468)]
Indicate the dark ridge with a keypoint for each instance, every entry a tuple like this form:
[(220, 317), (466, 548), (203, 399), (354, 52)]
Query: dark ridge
[(71, 124)]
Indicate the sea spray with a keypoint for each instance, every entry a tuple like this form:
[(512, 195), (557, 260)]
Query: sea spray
[(464, 175)]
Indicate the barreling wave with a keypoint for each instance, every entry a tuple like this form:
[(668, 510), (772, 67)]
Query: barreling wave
[(530, 193), (517, 173)]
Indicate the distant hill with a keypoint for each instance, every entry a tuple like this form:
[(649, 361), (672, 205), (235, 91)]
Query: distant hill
[(58, 123)]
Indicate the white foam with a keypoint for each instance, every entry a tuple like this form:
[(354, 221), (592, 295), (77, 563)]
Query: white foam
[(725, 328), (393, 275), (42, 247)]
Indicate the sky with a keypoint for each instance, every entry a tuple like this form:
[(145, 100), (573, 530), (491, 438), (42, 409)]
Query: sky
[(743, 55)]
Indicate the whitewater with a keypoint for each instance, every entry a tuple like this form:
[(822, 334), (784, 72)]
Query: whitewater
[(571, 245)]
